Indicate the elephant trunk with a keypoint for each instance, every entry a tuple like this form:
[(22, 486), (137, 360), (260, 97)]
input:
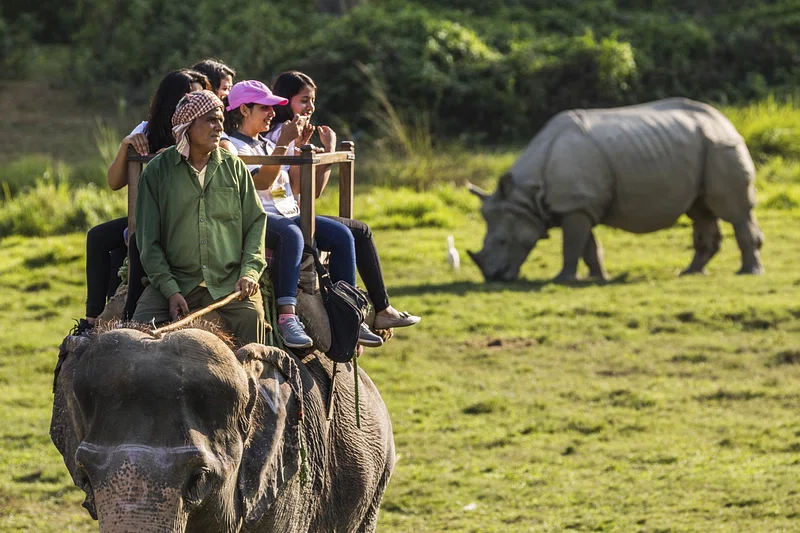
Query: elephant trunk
[(131, 501), (137, 508), (134, 488)]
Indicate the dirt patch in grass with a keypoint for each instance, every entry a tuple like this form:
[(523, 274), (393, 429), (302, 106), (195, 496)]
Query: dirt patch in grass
[(499, 343)]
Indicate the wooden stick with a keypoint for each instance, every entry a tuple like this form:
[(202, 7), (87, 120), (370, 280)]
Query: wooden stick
[(134, 171), (346, 181), (197, 314), (308, 196), (355, 378)]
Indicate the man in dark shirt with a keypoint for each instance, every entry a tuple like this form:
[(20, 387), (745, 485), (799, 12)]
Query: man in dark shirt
[(200, 226)]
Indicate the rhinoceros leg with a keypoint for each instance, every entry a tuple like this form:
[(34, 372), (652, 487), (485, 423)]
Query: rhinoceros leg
[(749, 238), (593, 257), (577, 229), (706, 235)]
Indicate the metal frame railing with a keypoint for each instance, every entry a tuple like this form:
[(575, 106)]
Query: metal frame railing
[(307, 161)]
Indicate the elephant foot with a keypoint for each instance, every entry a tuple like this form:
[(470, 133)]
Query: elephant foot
[(753, 270), (690, 271)]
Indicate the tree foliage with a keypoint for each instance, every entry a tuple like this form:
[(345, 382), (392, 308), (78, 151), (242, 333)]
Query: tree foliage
[(481, 70)]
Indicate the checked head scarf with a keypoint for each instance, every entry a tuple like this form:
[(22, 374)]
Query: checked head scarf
[(190, 107)]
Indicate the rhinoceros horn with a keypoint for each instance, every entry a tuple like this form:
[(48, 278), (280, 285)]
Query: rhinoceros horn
[(476, 258), (477, 191)]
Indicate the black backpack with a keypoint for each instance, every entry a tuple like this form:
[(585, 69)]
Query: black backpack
[(346, 308)]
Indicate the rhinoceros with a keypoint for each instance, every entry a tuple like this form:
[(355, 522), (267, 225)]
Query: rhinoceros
[(636, 168)]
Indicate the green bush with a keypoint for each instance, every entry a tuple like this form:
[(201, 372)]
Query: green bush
[(442, 166), (27, 171), (50, 208), (771, 128), (782, 201), (24, 172), (402, 208), (562, 73), (17, 45), (425, 64), (132, 45), (779, 170)]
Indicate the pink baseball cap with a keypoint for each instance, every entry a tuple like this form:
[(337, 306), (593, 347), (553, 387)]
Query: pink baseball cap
[(252, 92)]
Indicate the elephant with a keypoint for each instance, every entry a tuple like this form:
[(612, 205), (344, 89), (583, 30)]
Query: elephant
[(181, 434), (636, 168)]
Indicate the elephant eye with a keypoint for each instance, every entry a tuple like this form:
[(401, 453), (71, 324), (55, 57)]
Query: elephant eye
[(197, 486)]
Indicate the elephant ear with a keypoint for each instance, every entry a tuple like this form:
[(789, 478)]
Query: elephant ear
[(67, 427), (271, 456)]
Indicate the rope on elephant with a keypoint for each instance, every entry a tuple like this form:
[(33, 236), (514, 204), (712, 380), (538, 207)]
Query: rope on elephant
[(122, 273), (355, 380), (197, 314), (303, 457), (270, 312), (302, 442)]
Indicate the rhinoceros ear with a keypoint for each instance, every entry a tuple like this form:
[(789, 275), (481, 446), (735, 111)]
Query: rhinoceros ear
[(477, 191), (505, 185), (271, 456)]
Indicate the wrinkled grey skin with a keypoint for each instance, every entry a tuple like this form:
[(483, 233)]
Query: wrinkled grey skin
[(635, 168), (182, 435)]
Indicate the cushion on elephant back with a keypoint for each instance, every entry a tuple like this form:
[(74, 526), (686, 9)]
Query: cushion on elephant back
[(113, 310)]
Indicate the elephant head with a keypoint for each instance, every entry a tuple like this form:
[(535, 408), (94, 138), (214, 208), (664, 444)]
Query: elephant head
[(513, 227), (176, 434)]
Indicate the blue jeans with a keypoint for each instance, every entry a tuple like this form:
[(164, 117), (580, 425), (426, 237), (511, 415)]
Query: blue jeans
[(284, 236)]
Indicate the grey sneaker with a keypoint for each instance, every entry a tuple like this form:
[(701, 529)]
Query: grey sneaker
[(293, 334), (367, 338)]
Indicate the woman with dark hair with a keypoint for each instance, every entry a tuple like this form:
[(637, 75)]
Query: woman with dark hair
[(155, 133), (219, 75), (106, 244), (301, 91)]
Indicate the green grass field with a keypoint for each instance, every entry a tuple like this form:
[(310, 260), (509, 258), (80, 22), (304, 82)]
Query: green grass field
[(650, 404)]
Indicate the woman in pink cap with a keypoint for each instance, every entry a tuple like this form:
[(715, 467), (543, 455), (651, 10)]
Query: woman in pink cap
[(250, 113), (301, 91)]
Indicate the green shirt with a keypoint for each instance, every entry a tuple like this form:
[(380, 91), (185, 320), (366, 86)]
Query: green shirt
[(188, 234)]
